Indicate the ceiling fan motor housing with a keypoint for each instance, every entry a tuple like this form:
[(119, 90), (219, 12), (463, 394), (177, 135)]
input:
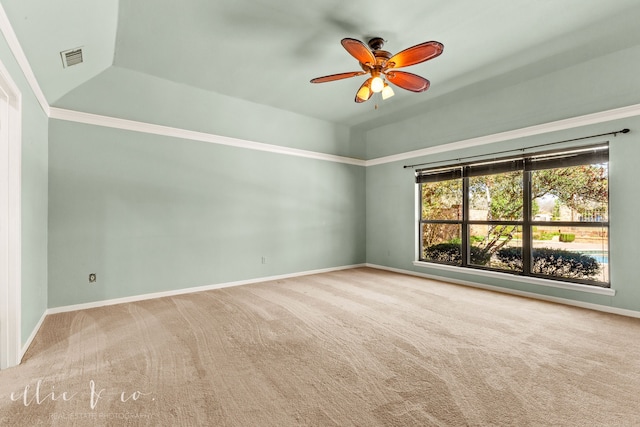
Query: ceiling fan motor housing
[(382, 56), (376, 43)]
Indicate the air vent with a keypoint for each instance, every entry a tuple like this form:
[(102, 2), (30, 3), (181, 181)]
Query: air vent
[(71, 57)]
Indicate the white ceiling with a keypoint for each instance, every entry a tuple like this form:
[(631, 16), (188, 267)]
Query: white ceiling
[(266, 51)]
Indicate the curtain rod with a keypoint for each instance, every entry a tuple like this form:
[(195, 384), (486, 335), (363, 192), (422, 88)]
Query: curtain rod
[(615, 133)]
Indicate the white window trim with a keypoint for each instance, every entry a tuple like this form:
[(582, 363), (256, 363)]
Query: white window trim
[(515, 278), (495, 274)]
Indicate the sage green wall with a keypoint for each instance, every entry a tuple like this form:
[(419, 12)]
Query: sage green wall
[(119, 92), (391, 213), (34, 199), (506, 104), (510, 102), (149, 213)]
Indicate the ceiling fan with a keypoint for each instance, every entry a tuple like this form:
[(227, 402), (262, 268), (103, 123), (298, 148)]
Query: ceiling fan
[(381, 65)]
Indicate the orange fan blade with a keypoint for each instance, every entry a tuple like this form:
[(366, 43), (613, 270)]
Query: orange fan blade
[(365, 92), (340, 76), (415, 54), (408, 81), (359, 50)]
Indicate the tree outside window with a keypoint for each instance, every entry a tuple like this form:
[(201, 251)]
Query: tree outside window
[(541, 216)]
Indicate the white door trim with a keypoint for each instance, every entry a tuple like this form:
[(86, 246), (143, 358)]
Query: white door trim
[(10, 220)]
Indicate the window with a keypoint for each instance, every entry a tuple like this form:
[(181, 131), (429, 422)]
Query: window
[(545, 215)]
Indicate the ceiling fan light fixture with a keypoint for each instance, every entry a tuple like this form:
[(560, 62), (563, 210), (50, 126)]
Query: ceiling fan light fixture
[(382, 65), (377, 84), (387, 92), (364, 93)]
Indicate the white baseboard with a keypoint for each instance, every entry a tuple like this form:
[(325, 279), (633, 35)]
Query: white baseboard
[(96, 304), (587, 305), (27, 344), (154, 295)]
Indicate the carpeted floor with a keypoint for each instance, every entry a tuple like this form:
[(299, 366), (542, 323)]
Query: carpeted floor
[(357, 347)]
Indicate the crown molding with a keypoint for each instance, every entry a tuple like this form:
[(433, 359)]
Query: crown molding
[(559, 125), (100, 120), (135, 126), (21, 59)]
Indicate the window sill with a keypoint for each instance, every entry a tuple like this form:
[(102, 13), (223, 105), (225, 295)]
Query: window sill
[(522, 279)]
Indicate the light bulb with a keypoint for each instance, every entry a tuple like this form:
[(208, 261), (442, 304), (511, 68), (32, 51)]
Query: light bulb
[(387, 92), (377, 84), (364, 93)]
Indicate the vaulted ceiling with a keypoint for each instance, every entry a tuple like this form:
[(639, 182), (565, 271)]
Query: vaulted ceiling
[(266, 51)]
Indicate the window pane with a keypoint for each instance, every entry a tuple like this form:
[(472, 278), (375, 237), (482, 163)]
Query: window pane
[(571, 252), (566, 219), (496, 246), (442, 243), (496, 197), (442, 200), (577, 193)]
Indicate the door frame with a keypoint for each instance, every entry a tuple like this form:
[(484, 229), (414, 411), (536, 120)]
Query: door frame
[(10, 220)]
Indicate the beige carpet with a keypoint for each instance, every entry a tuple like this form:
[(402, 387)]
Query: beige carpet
[(351, 348)]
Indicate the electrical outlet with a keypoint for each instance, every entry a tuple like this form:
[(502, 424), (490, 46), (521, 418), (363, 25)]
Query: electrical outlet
[(264, 260), (92, 278)]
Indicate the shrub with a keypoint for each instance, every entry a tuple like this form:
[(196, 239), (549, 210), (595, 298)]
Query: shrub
[(553, 262), (567, 237), (450, 253), (510, 257), (545, 235)]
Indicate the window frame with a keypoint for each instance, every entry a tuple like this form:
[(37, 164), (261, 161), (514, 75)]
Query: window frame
[(527, 164)]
